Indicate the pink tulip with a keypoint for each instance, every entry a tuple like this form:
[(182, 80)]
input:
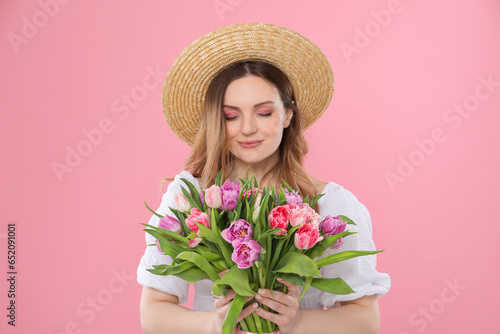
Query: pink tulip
[(213, 197), (302, 214), (159, 247), (182, 203), (307, 236), (197, 216), (194, 242), (279, 218)]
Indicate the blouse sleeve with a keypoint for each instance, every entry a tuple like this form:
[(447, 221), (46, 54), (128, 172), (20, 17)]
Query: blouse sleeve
[(360, 272), (168, 284)]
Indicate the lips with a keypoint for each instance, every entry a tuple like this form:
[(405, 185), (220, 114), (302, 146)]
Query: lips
[(250, 144)]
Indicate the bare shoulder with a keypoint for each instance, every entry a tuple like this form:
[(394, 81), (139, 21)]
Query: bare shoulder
[(318, 184)]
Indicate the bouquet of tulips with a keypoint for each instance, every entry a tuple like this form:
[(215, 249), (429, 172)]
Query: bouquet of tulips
[(257, 235)]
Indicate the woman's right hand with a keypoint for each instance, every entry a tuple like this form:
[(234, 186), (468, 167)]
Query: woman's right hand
[(222, 306)]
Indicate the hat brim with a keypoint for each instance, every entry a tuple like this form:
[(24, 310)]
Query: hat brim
[(189, 77)]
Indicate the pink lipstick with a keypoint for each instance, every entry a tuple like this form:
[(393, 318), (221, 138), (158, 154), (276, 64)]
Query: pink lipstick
[(250, 144)]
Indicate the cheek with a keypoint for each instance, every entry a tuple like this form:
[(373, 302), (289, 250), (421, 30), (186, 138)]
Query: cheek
[(274, 129), (231, 129)]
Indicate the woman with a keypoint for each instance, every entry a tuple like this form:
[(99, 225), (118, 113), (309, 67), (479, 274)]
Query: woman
[(250, 113)]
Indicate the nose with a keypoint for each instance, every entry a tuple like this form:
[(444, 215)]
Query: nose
[(248, 125)]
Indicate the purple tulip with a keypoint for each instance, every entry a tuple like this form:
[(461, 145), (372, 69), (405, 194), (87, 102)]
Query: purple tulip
[(171, 224), (245, 252), (202, 199), (292, 198), (332, 225), (338, 243), (230, 192), (239, 229)]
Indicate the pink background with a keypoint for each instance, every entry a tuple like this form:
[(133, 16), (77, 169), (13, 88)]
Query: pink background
[(64, 76)]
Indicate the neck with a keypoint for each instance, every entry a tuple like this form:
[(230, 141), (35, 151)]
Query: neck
[(260, 170)]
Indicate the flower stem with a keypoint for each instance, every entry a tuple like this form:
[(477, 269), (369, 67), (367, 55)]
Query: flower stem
[(265, 326), (251, 323), (244, 325), (258, 323)]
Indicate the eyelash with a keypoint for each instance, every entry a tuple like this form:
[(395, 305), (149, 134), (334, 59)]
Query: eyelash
[(263, 115)]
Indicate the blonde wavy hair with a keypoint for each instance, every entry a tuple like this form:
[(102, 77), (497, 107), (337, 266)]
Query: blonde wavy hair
[(210, 152)]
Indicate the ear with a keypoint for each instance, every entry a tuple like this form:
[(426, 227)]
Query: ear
[(288, 117)]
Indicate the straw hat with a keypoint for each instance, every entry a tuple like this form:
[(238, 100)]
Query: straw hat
[(189, 77)]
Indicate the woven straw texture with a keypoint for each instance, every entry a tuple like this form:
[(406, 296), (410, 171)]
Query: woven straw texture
[(189, 77)]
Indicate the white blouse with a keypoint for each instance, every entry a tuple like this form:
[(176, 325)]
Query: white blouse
[(360, 273)]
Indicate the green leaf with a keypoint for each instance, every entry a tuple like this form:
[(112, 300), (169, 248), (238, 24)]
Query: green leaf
[(297, 263), (326, 243), (268, 233), (199, 261), (342, 256), (347, 220), (287, 186), (263, 207), (306, 286), (255, 184), (336, 286), (154, 212), (315, 199), (306, 200), (218, 179), (191, 201), (291, 231), (232, 314), (281, 197), (249, 212), (192, 275), (237, 279), (207, 233), (182, 218), (246, 172), (168, 234), (167, 246), (194, 192), (225, 248), (292, 278), (165, 270), (211, 257)]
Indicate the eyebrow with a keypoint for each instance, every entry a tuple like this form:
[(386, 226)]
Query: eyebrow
[(257, 105)]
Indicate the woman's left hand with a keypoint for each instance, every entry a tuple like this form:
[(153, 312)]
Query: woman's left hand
[(286, 304)]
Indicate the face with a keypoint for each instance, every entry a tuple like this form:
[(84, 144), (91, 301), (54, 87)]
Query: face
[(255, 119)]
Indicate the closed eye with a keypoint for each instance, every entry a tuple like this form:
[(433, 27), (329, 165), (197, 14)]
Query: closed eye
[(229, 115)]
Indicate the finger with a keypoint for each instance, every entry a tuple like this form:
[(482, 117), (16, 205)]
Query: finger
[(222, 273), (268, 296), (277, 306), (292, 289), (247, 311), (223, 300), (277, 318)]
